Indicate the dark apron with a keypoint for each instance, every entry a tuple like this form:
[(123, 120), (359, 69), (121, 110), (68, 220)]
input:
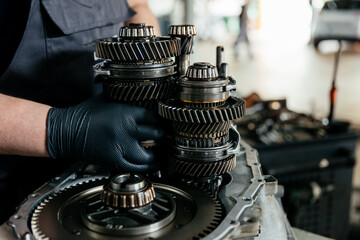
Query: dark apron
[(53, 65)]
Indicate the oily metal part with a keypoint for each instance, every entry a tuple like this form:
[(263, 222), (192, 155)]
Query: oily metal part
[(149, 70), (232, 109), (204, 136), (142, 92), (155, 49), (182, 30), (201, 142), (203, 105), (137, 221), (202, 169), (61, 215), (196, 128), (186, 33), (127, 191), (202, 71), (137, 30)]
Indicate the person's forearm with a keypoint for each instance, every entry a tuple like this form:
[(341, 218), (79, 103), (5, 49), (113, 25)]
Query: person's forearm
[(22, 127), (143, 14)]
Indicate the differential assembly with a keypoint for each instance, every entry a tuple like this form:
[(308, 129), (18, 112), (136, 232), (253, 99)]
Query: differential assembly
[(204, 144), (138, 66), (85, 211)]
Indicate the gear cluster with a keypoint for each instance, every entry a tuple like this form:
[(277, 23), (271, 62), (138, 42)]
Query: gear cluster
[(138, 66), (201, 117)]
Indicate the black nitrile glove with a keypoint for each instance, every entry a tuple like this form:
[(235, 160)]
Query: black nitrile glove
[(102, 132)]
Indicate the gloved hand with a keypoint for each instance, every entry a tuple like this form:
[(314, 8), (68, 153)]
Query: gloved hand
[(102, 132)]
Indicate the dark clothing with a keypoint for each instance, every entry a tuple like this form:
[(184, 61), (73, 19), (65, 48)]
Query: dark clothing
[(12, 27), (53, 65)]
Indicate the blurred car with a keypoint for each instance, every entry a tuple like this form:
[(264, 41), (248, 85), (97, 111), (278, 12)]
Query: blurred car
[(337, 20)]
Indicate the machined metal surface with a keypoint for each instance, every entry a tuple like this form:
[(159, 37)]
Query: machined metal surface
[(232, 109), (201, 168), (250, 209), (127, 191), (137, 30), (77, 212), (196, 128), (154, 49)]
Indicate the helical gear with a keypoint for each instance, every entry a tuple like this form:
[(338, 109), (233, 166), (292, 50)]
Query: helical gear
[(195, 128), (131, 91), (234, 108), (139, 68), (202, 169), (201, 142), (186, 33), (120, 50)]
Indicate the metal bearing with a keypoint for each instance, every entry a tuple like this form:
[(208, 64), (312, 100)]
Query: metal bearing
[(137, 30), (128, 191)]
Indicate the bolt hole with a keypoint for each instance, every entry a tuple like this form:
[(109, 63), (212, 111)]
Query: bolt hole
[(232, 222), (76, 232), (180, 226), (246, 199)]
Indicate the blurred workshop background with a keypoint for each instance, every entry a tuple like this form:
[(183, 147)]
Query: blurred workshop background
[(287, 58)]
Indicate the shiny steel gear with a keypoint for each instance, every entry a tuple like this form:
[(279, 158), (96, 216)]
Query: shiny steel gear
[(195, 128), (232, 109), (76, 212), (128, 191), (131, 91), (120, 50), (202, 169)]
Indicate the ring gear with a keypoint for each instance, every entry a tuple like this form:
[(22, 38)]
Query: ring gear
[(61, 215)]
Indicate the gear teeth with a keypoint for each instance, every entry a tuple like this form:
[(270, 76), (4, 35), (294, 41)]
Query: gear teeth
[(203, 169), (35, 226), (202, 143), (234, 110), (160, 48), (200, 135), (123, 93), (194, 128)]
